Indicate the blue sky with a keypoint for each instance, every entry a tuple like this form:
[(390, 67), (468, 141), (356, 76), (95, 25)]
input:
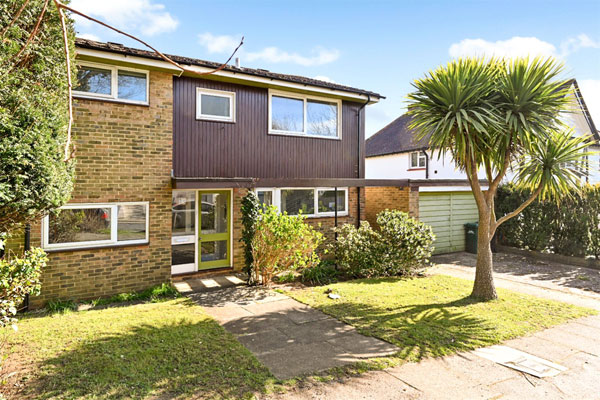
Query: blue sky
[(376, 45)]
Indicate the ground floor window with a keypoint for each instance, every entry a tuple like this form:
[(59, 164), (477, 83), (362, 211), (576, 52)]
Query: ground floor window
[(96, 225), (312, 202)]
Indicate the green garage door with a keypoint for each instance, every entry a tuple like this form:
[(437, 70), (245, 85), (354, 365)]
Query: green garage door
[(447, 212)]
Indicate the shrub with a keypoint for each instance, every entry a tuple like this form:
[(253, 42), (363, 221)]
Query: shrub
[(358, 250), (282, 242), (250, 213), (400, 247), (571, 227), (18, 278), (407, 242), (321, 274)]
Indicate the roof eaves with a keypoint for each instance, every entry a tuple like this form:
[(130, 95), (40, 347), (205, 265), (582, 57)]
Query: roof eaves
[(120, 49)]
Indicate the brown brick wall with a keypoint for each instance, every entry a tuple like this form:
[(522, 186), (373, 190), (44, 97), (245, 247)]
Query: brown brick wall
[(379, 198), (323, 225), (124, 153)]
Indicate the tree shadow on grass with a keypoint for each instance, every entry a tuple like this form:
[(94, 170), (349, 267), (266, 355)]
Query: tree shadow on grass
[(421, 330), (179, 360)]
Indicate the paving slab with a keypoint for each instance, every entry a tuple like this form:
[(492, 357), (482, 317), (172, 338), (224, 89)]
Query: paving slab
[(570, 338), (299, 359), (375, 385), (363, 346), (289, 337)]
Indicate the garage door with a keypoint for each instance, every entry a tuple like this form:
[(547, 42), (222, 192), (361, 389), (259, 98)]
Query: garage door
[(447, 212)]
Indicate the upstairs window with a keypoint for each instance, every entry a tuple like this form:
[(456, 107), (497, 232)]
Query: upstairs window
[(110, 82), (418, 159), (215, 105), (291, 114)]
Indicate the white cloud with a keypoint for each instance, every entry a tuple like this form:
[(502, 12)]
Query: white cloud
[(590, 90), (89, 36), (143, 16), (218, 44), (227, 43), (518, 46), (514, 47), (324, 78), (573, 44), (275, 55)]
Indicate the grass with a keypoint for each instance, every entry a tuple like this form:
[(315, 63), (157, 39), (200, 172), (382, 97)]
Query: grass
[(153, 294), (433, 316), (170, 349)]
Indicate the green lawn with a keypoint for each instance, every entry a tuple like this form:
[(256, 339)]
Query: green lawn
[(433, 316), (158, 350), (172, 349)]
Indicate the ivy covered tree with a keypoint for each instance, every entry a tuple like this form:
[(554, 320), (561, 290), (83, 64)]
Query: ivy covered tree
[(36, 176)]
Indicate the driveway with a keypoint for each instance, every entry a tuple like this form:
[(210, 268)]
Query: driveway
[(574, 345), (567, 283)]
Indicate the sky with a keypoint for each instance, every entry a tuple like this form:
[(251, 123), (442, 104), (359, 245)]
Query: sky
[(380, 46)]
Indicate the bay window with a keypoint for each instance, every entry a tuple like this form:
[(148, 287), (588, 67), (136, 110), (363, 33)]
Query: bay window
[(96, 225)]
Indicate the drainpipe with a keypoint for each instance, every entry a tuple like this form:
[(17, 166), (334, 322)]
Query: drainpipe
[(27, 247), (360, 161), (426, 164)]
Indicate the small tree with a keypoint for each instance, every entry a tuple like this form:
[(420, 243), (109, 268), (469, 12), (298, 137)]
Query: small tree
[(250, 214), (33, 113), (282, 242), (492, 115)]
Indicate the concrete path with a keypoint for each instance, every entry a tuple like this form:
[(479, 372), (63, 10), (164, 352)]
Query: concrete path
[(575, 345), (290, 338), (466, 376)]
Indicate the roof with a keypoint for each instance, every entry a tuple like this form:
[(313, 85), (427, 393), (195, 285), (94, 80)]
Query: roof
[(120, 49), (396, 137)]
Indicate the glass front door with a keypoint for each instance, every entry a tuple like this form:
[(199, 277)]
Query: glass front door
[(213, 234), (183, 236)]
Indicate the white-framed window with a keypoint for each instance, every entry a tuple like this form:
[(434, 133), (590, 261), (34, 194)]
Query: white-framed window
[(304, 115), (311, 202), (215, 105), (418, 159), (96, 225), (102, 81)]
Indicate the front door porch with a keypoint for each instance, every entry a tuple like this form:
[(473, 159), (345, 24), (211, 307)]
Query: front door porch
[(201, 230)]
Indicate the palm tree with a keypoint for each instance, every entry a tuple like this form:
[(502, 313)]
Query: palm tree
[(493, 115)]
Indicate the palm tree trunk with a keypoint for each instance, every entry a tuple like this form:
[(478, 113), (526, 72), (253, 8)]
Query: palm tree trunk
[(484, 288)]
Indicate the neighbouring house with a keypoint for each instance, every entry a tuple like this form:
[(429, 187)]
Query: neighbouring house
[(164, 159), (395, 152)]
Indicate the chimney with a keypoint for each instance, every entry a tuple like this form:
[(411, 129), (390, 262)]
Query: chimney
[(237, 62)]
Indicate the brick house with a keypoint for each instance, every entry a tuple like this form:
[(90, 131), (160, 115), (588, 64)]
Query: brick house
[(164, 159)]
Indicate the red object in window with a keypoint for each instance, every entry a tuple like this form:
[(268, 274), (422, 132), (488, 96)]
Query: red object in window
[(104, 215)]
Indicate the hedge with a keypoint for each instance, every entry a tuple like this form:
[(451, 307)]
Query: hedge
[(570, 227)]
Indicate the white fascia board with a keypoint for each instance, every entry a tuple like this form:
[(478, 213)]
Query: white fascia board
[(270, 82)]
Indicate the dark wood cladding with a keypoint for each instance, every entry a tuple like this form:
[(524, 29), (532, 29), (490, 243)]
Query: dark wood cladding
[(244, 149)]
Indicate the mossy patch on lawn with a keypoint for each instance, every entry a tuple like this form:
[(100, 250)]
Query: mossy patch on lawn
[(433, 316)]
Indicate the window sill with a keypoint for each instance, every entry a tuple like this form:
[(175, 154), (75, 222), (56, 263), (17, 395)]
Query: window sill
[(300, 135), (111, 100), (328, 215), (103, 246), (417, 169), (208, 119)]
